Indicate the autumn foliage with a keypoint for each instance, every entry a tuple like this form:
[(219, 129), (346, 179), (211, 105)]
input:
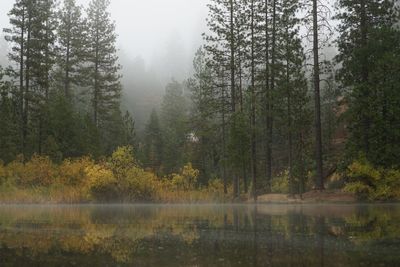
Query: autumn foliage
[(119, 179)]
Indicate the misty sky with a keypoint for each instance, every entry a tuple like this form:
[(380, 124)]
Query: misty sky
[(146, 27)]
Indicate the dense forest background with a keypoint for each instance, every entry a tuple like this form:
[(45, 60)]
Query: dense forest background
[(283, 96)]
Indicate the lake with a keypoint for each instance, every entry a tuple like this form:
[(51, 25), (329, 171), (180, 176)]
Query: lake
[(200, 235)]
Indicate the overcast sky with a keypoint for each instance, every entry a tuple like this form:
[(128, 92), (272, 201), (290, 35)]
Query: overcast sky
[(146, 26)]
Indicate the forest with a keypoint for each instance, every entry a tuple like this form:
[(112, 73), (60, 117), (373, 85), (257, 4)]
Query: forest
[(268, 109)]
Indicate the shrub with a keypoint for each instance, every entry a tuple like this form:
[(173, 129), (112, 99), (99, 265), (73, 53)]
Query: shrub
[(371, 183), (72, 172), (122, 160), (216, 186), (120, 179), (139, 185), (102, 184), (39, 171), (186, 179), (280, 184)]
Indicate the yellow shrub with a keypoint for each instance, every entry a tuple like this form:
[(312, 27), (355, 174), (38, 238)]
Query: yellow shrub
[(140, 185), (280, 184), (101, 183), (72, 172), (39, 171), (14, 170), (362, 190), (216, 186), (122, 160), (372, 183), (186, 179)]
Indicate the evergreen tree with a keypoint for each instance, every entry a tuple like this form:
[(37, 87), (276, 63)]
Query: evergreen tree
[(70, 47), (368, 54), (153, 144), (174, 119), (222, 45), (17, 36), (203, 119), (9, 142), (103, 69)]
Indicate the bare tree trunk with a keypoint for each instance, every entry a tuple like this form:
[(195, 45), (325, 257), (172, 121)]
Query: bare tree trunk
[(271, 92), (267, 99), (364, 73), (27, 83), (318, 131), (289, 110), (233, 86), (67, 62), (96, 85), (224, 139), (253, 110), (21, 80)]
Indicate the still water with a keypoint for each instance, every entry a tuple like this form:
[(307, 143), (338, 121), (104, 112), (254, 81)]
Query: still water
[(203, 235)]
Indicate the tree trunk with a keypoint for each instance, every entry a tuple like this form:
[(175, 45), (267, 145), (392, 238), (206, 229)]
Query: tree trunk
[(27, 83), (364, 75), (319, 183), (21, 80), (271, 92), (267, 100), (289, 110), (253, 110)]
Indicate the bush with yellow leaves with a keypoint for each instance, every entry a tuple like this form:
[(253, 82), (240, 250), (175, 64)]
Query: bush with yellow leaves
[(186, 179), (116, 179), (101, 183), (371, 183), (280, 183), (120, 179), (73, 171), (39, 171)]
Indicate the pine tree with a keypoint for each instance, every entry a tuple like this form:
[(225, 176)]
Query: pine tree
[(153, 144), (16, 35), (32, 35), (9, 142), (174, 119), (293, 82), (102, 70), (70, 47), (368, 53), (203, 119), (222, 45)]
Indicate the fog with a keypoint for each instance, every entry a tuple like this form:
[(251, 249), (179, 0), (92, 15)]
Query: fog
[(156, 43)]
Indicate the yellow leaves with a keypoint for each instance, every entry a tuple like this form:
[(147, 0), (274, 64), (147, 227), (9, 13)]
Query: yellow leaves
[(215, 186), (363, 170), (119, 178), (101, 183), (73, 172), (122, 160), (39, 171), (280, 184), (373, 183), (359, 188), (186, 179)]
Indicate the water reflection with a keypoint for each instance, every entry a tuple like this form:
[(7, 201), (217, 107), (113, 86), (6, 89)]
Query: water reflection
[(280, 235)]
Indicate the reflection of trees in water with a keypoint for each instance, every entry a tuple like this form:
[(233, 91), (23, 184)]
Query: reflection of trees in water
[(196, 235)]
